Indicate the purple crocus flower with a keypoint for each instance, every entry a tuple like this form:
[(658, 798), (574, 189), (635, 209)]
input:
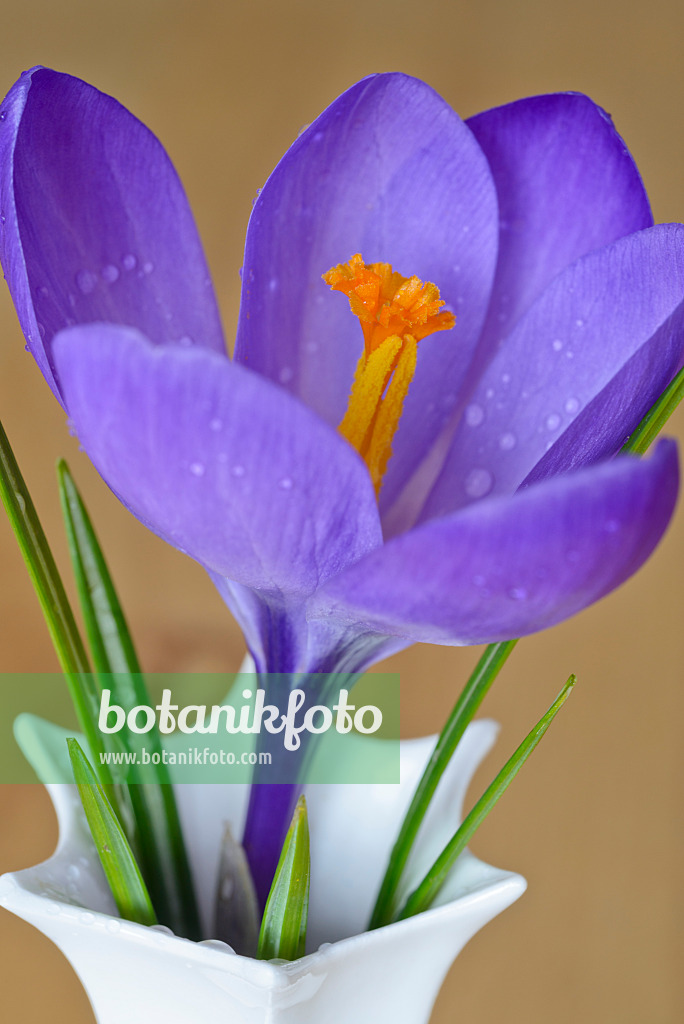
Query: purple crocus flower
[(501, 511)]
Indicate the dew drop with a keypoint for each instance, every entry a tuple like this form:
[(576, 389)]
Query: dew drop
[(43, 292), (86, 281), (2, 218), (557, 345), (217, 944), (215, 424), (553, 421), (273, 284), (197, 468), (238, 471), (478, 483), (311, 347), (54, 909), (286, 374), (489, 393), (86, 918), (110, 273), (474, 415), (3, 115), (612, 526), (579, 323), (569, 355), (505, 378), (571, 406), (113, 926), (285, 484), (41, 329), (517, 593), (507, 441), (147, 267), (73, 872), (129, 262)]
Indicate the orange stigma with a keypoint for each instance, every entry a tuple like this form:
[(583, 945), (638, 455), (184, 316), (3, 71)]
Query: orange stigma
[(395, 313)]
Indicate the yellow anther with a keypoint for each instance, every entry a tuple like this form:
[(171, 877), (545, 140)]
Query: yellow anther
[(395, 313)]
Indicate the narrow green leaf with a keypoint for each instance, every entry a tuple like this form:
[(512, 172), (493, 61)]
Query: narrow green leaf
[(422, 897), (157, 838), (283, 929), (656, 417), (52, 597), (486, 671), (123, 875)]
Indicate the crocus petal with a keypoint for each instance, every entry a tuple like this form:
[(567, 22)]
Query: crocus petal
[(566, 185), (595, 350), (96, 225), (216, 460), (388, 170), (511, 566)]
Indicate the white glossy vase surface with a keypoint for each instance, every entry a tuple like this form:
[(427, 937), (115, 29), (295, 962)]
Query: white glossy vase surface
[(149, 976)]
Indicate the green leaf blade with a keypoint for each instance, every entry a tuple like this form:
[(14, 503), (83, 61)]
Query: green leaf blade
[(283, 929), (423, 896), (474, 692), (122, 872), (157, 834)]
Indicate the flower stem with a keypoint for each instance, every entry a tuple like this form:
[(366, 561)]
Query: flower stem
[(473, 693), (271, 806)]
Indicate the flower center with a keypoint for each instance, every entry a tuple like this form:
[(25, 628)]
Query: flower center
[(395, 313)]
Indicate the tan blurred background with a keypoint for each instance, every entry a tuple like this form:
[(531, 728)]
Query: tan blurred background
[(594, 822)]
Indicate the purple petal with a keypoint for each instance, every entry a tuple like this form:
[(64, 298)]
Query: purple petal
[(577, 373), (566, 185), (96, 224), (216, 460), (388, 170), (511, 566)]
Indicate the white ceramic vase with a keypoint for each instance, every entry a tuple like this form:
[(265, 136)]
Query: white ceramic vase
[(349, 976)]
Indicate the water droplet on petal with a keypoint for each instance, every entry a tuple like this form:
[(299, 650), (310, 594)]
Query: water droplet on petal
[(517, 593), (3, 115), (489, 393), (238, 470), (2, 218), (197, 468), (285, 484), (507, 441), (553, 421), (569, 355), (273, 284), (571, 406), (86, 281), (612, 525), (557, 345), (113, 926), (41, 329), (286, 374), (579, 323), (311, 346), (222, 947), (54, 908), (129, 261), (474, 415), (148, 267), (110, 273), (215, 424), (73, 872), (86, 918), (505, 378), (478, 483)]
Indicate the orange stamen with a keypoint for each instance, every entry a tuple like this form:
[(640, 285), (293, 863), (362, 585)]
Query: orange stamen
[(395, 313)]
